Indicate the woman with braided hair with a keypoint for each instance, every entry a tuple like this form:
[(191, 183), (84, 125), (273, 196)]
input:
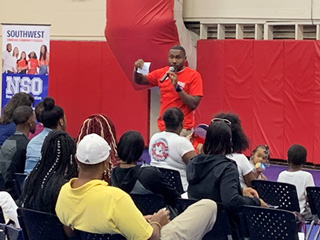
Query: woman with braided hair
[(103, 126), (55, 168)]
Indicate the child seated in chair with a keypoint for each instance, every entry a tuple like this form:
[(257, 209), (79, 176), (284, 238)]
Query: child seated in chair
[(297, 156)]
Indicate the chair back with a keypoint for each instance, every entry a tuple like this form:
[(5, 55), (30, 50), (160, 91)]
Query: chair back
[(270, 224), (40, 225), (221, 229), (81, 235), (282, 195), (18, 182), (173, 179), (2, 184), (14, 233), (313, 194), (1, 216), (148, 203)]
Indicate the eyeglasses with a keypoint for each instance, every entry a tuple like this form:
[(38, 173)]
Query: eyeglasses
[(221, 119)]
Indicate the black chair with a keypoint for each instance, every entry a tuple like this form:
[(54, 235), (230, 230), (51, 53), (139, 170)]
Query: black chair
[(148, 203), (3, 233), (313, 194), (18, 182), (40, 225), (173, 178), (270, 224), (221, 229), (1, 216), (14, 233), (282, 195), (81, 235), (2, 184)]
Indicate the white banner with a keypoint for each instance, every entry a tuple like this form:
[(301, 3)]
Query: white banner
[(25, 60)]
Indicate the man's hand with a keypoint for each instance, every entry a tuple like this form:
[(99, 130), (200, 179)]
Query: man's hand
[(249, 192), (138, 64)]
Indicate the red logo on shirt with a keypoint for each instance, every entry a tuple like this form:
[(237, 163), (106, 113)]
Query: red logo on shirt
[(160, 150)]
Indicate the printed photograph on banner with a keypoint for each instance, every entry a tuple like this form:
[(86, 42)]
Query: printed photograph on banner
[(25, 61)]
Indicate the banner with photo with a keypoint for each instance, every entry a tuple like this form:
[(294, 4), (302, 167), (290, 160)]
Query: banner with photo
[(25, 61)]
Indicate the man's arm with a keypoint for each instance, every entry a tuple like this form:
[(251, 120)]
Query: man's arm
[(191, 101), (139, 78)]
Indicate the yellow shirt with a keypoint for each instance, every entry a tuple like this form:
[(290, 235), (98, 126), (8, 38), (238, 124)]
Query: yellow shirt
[(98, 208)]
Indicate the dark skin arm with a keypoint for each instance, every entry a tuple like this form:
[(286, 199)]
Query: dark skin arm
[(191, 101), (186, 157), (248, 178)]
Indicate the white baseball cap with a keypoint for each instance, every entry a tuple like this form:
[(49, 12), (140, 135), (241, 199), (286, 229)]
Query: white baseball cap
[(92, 149)]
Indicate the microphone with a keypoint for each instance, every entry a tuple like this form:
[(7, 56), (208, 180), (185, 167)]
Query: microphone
[(166, 75)]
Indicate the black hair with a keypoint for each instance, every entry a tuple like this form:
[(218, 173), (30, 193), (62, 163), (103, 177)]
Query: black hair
[(130, 146), (218, 139), (50, 113), (56, 167), (240, 141), (19, 99), (22, 114), (178, 47), (297, 155), (38, 109), (173, 118)]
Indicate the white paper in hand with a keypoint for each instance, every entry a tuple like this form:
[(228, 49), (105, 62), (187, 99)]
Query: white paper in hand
[(145, 69)]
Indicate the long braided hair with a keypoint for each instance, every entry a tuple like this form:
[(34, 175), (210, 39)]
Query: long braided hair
[(103, 126), (56, 167)]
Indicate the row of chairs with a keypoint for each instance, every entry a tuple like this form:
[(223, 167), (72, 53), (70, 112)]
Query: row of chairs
[(284, 197)]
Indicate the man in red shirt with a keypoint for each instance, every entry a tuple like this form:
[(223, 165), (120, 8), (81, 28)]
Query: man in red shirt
[(179, 86)]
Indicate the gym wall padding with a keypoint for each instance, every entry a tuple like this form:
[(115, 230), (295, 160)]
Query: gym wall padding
[(85, 78), (274, 86)]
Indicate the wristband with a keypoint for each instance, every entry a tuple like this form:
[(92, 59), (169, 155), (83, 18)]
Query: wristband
[(156, 223), (178, 88)]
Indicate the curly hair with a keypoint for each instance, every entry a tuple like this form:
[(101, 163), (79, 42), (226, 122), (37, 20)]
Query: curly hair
[(240, 141)]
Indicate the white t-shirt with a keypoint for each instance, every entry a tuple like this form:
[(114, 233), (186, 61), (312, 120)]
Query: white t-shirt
[(301, 180), (166, 150), (244, 166), (7, 61)]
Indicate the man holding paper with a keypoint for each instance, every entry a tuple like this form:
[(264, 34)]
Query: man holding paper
[(180, 86)]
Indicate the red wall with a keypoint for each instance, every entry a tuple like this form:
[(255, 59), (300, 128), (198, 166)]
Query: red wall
[(274, 86), (85, 78)]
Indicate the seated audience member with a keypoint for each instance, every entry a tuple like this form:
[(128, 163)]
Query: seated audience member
[(9, 208), (258, 160), (55, 168), (52, 118), (88, 204), (168, 149), (13, 150), (7, 126), (239, 144), (297, 156), (198, 136), (137, 179), (216, 177), (103, 126), (39, 126)]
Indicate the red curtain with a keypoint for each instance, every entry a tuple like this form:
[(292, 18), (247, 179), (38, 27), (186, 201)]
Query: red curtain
[(274, 86)]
